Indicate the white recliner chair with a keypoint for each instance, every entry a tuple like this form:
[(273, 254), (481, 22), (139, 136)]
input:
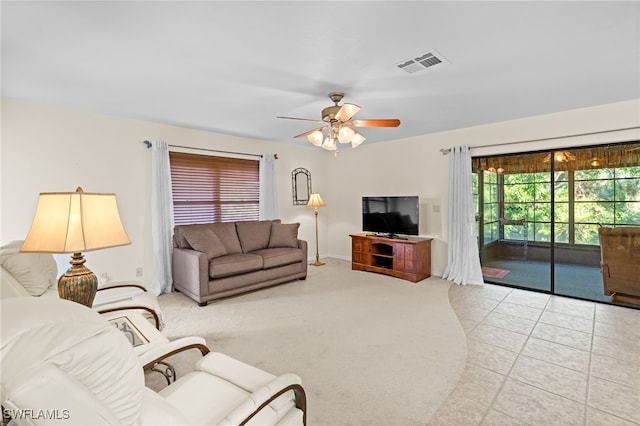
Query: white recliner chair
[(35, 274), (63, 363)]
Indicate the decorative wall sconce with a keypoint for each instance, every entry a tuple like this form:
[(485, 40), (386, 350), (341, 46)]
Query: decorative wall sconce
[(301, 186)]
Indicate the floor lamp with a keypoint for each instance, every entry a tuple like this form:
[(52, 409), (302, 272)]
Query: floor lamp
[(315, 201), (75, 222)]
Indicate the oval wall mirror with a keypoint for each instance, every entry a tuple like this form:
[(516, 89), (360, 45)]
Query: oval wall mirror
[(301, 186)]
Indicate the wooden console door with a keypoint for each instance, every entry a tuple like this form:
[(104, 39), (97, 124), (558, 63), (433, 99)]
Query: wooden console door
[(409, 258)]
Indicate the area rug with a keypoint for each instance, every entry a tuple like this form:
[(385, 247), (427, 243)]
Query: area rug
[(371, 349), (494, 272)]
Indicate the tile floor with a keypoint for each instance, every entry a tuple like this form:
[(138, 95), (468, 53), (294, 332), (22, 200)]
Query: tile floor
[(536, 359)]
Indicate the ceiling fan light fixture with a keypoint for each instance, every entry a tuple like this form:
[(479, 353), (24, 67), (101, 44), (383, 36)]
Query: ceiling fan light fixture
[(329, 143), (345, 134), (357, 140), (315, 138), (560, 157), (341, 127)]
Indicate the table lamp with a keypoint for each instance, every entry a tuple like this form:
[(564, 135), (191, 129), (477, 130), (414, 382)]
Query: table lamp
[(315, 201), (74, 222)]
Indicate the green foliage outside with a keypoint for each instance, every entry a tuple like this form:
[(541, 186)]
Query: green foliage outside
[(601, 197)]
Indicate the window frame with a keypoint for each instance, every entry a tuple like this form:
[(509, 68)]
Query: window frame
[(211, 188), (532, 219)]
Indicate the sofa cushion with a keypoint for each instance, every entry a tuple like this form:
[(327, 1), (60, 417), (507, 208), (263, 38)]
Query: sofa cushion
[(233, 264), (254, 234), (36, 272), (284, 235), (205, 241), (274, 257), (226, 231)]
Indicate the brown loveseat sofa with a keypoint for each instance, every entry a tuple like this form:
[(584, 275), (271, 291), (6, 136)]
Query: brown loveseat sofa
[(216, 260)]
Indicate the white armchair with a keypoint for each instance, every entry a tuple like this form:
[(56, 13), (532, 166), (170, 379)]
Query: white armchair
[(35, 274), (63, 363)]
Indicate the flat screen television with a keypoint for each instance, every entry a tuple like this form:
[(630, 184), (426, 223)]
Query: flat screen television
[(391, 216)]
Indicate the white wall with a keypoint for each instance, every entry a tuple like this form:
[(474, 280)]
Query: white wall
[(48, 149), (415, 166), (53, 149)]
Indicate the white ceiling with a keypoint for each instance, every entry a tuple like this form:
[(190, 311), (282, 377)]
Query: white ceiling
[(232, 67)]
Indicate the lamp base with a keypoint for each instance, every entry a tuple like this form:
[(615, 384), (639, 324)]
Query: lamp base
[(316, 263), (78, 284)]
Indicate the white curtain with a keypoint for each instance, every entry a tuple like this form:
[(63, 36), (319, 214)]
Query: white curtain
[(463, 265), (161, 218), (268, 193)]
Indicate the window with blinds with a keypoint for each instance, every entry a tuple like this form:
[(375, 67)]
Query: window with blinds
[(214, 189)]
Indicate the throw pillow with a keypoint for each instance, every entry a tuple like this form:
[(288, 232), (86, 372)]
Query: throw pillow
[(253, 234), (205, 241), (36, 272), (227, 233), (179, 240), (284, 235)]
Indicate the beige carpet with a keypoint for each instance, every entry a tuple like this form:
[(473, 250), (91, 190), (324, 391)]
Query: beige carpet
[(371, 349)]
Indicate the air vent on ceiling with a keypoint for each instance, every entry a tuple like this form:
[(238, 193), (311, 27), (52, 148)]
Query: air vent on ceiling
[(421, 62)]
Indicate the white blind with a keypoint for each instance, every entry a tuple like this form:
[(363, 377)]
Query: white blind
[(214, 189)]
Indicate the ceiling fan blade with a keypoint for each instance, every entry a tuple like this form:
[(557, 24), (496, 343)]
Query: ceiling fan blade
[(309, 132), (383, 122), (347, 111), (303, 119)]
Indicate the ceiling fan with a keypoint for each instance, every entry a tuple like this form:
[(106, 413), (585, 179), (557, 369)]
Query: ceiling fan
[(340, 125)]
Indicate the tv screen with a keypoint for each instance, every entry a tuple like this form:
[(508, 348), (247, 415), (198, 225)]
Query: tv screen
[(391, 215)]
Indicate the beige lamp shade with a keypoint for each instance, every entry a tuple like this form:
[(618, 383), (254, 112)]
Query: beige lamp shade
[(315, 200), (73, 222)]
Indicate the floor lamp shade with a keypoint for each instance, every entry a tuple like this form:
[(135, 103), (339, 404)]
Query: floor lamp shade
[(74, 222), (315, 201)]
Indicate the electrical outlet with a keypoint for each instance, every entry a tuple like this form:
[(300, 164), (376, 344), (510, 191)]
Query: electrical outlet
[(138, 272), (104, 277)]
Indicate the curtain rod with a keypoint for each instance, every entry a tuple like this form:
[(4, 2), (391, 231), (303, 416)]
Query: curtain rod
[(148, 144), (446, 151)]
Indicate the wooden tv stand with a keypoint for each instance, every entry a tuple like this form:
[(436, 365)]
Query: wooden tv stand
[(408, 258)]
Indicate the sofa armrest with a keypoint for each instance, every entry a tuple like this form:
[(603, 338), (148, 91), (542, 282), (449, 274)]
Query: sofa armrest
[(162, 351), (263, 388), (122, 284), (128, 295), (302, 244), (117, 291), (266, 395), (191, 271)]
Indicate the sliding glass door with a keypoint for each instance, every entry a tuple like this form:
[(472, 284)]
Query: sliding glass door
[(539, 215), (515, 220)]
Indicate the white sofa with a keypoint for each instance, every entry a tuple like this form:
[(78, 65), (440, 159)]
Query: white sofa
[(63, 363)]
